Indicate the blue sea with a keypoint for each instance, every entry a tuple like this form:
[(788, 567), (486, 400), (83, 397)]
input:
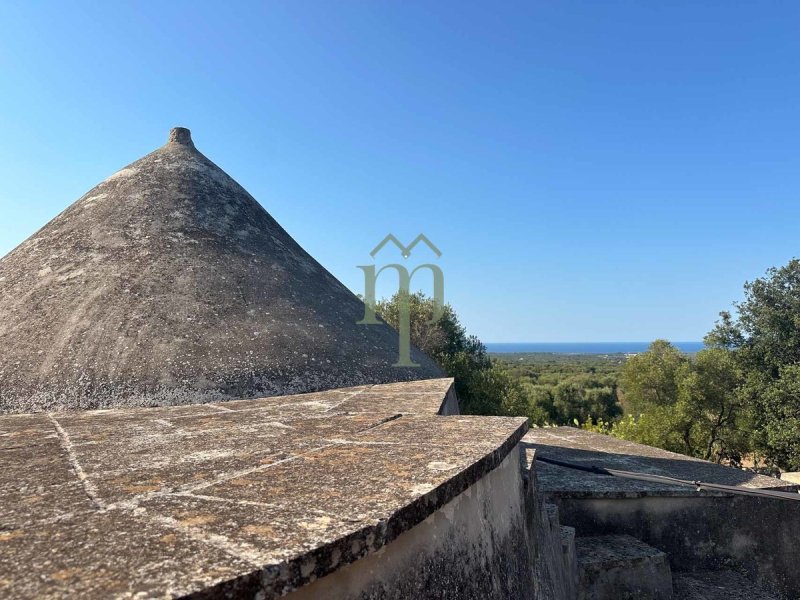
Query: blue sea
[(587, 347)]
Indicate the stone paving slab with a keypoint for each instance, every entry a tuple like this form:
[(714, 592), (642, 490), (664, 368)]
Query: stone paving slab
[(372, 401), (607, 551), (587, 448), (110, 554), (33, 503), (315, 401), (621, 567), (451, 431), (25, 430), (260, 495), (717, 585)]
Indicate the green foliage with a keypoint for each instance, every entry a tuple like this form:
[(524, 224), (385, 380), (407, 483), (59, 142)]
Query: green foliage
[(494, 391), (651, 378), (653, 428), (483, 387), (690, 406), (548, 368), (764, 337), (713, 415), (738, 398), (779, 433), (445, 336), (561, 389), (487, 387), (766, 330)]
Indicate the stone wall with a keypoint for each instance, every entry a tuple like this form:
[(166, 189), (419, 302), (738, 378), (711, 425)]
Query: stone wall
[(757, 536), (450, 405), (552, 545), (494, 540), (476, 546)]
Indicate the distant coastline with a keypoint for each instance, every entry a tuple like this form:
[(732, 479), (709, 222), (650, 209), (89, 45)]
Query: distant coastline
[(585, 347)]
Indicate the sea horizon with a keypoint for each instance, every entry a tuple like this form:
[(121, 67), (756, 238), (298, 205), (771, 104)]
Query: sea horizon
[(584, 347)]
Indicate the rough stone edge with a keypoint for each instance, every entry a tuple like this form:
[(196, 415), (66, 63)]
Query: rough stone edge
[(475, 546), (277, 580), (555, 560), (450, 404)]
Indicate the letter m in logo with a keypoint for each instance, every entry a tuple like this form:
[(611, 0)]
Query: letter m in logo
[(404, 293)]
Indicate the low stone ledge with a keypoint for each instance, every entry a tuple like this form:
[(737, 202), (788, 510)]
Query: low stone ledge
[(589, 449)]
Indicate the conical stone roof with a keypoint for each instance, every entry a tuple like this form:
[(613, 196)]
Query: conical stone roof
[(169, 284)]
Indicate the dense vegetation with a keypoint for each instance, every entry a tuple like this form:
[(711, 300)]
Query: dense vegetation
[(483, 386), (736, 401), (563, 388), (684, 404), (548, 388)]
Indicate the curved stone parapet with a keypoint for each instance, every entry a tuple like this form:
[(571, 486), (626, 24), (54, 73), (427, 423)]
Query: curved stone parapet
[(259, 498)]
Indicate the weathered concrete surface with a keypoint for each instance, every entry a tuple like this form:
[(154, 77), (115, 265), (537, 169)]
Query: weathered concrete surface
[(717, 585), (593, 449), (619, 567), (169, 284), (698, 530), (475, 546), (237, 498)]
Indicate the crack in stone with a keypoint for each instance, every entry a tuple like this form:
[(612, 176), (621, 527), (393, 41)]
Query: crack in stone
[(379, 423), (66, 444), (224, 500)]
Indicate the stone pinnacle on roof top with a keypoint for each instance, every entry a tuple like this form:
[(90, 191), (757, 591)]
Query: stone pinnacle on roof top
[(180, 135), (168, 283)]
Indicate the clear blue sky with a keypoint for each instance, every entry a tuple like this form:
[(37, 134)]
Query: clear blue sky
[(592, 171)]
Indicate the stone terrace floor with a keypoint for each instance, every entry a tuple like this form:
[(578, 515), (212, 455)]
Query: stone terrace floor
[(588, 449), (232, 497)]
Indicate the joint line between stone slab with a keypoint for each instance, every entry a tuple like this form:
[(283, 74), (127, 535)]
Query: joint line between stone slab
[(133, 502), (243, 472), (241, 551), (350, 397), (66, 444)]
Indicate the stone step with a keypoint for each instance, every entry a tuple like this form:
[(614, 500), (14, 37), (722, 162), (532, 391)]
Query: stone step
[(620, 567), (567, 538), (717, 585), (552, 514), (569, 553)]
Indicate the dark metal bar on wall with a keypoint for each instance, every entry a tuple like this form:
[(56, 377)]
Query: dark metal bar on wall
[(698, 485)]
